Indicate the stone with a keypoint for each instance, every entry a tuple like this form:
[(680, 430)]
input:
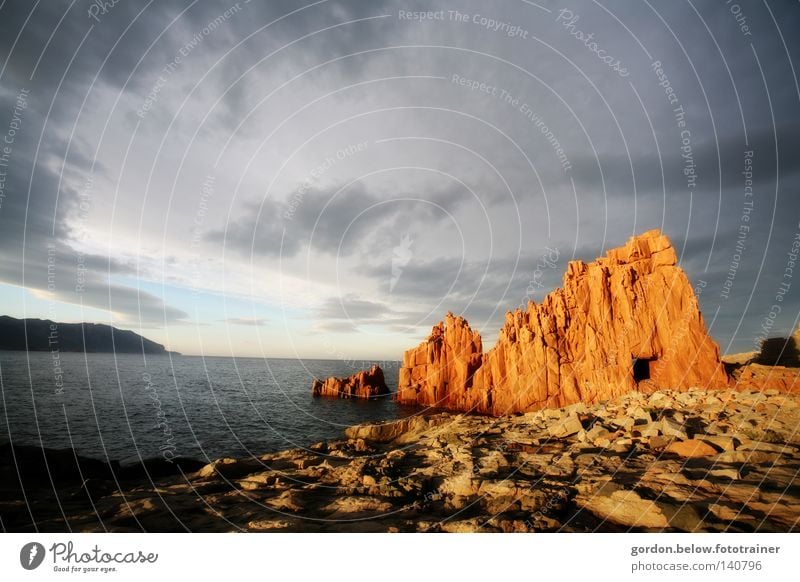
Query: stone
[(750, 457), (231, 468), (683, 517), (595, 432), (461, 485), (768, 447), (623, 507), (368, 384), (691, 448), (647, 430), (627, 319), (603, 441), (724, 512), (577, 408), (605, 438), (660, 399), (355, 508), (385, 431), (625, 422), (670, 427), (620, 446), (570, 426), (659, 442), (732, 474), (723, 443)]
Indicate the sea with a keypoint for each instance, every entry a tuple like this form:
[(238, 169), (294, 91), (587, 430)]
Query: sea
[(130, 407)]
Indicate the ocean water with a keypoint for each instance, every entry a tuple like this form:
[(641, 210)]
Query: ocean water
[(126, 407)]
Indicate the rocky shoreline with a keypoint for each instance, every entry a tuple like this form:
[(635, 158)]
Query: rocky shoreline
[(668, 461)]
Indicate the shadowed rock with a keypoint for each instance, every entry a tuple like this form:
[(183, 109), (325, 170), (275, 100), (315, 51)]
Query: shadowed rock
[(779, 351)]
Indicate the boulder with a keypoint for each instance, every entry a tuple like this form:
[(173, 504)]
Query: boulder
[(623, 507), (367, 384), (625, 320), (386, 431), (673, 428)]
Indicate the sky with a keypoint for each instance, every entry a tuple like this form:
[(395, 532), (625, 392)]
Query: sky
[(327, 179)]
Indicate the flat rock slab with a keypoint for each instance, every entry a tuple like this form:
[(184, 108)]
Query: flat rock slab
[(691, 448)]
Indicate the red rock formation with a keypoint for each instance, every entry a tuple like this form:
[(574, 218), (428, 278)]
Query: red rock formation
[(628, 320), (363, 384), (760, 378)]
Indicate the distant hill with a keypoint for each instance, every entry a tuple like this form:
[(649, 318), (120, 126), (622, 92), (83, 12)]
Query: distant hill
[(72, 337)]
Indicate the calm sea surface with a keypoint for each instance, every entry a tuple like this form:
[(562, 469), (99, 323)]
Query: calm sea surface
[(123, 407)]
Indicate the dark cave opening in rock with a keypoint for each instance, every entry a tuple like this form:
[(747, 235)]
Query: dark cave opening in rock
[(641, 369)]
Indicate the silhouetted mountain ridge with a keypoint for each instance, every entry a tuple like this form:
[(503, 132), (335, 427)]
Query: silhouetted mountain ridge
[(43, 334)]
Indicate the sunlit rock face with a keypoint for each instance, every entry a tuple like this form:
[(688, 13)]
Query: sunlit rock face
[(629, 320)]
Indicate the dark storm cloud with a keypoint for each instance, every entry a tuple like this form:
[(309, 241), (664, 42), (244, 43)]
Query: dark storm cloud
[(290, 37), (725, 157), (481, 291), (336, 221), (125, 33), (55, 52)]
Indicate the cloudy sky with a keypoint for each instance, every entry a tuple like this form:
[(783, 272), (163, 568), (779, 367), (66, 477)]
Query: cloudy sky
[(327, 179)]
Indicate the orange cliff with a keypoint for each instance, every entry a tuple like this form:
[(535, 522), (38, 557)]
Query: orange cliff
[(629, 320)]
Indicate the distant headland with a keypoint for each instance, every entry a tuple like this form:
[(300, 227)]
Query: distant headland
[(38, 335)]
